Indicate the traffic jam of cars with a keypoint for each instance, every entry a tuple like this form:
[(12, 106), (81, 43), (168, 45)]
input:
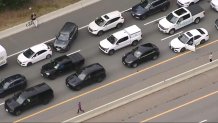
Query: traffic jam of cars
[(188, 12)]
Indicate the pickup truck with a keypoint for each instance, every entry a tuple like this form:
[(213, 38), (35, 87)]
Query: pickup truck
[(61, 65), (180, 18), (128, 36)]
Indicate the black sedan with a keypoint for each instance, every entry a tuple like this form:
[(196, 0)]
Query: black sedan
[(141, 54), (12, 84)]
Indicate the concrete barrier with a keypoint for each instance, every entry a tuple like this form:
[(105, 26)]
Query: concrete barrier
[(144, 92)]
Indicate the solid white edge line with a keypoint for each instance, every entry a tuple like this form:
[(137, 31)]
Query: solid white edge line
[(2, 104), (203, 121), (154, 21), (171, 36), (74, 52)]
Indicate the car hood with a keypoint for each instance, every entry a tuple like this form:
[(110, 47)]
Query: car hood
[(11, 104), (165, 23), (74, 81), (176, 43), (48, 68), (94, 26), (105, 43), (129, 58), (215, 2), (138, 10), (22, 58), (60, 43), (184, 1)]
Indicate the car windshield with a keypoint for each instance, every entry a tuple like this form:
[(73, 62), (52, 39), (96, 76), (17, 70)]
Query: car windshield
[(144, 3), (100, 21), (171, 18), (63, 36), (112, 39), (56, 65), (137, 54), (20, 99), (28, 53), (183, 38), (82, 76)]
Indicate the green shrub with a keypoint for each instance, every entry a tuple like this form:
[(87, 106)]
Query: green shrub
[(13, 4)]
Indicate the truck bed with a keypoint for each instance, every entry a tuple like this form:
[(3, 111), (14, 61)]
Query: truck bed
[(76, 57), (195, 9)]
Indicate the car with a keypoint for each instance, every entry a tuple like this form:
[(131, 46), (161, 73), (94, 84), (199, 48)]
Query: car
[(141, 54), (88, 75), (186, 3), (62, 65), (34, 54), (12, 84), (193, 37), (128, 36), (214, 4), (29, 98), (216, 24), (3, 56), (105, 22), (66, 37), (149, 7)]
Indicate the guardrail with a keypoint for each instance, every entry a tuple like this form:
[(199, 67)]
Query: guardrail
[(144, 92)]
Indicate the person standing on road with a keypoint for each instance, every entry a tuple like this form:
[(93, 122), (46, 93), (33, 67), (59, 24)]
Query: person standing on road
[(33, 19), (211, 57), (80, 108)]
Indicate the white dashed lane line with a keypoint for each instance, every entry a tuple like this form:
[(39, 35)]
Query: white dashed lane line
[(154, 21), (171, 36), (2, 104)]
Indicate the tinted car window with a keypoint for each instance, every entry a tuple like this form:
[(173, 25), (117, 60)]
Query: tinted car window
[(122, 39), (40, 52), (28, 53), (186, 16), (63, 36)]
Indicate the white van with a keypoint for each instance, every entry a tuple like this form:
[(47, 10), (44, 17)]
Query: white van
[(3, 56)]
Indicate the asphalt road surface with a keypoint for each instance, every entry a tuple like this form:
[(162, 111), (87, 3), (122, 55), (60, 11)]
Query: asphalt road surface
[(120, 80)]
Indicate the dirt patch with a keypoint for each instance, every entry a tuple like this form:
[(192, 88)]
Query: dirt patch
[(10, 18)]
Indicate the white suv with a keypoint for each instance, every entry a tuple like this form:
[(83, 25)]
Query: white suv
[(106, 22), (214, 4), (189, 39), (34, 54)]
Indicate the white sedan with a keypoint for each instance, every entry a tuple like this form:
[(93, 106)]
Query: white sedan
[(189, 39), (106, 22), (214, 4), (186, 3), (34, 54)]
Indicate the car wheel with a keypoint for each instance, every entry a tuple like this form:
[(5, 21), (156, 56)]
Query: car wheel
[(78, 88), (155, 57), (119, 25), (134, 43), (144, 17), (197, 20), (111, 52), (46, 101), (183, 49), (100, 33), (18, 112), (172, 31), (29, 64), (164, 8), (135, 65), (191, 4), (202, 41), (68, 47), (100, 79), (48, 56)]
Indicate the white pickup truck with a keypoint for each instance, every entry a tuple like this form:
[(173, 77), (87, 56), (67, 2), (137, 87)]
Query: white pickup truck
[(3, 56), (128, 36), (181, 17)]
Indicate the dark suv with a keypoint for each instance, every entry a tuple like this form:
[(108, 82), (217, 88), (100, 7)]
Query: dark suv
[(140, 54), (149, 7), (12, 84), (65, 37), (39, 94), (86, 76)]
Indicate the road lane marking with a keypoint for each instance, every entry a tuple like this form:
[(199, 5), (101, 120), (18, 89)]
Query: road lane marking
[(180, 106), (2, 104), (203, 121), (126, 10), (154, 21), (83, 27), (113, 82), (73, 52), (171, 36)]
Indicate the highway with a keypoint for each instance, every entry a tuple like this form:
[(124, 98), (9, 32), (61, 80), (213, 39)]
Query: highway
[(193, 100), (120, 80)]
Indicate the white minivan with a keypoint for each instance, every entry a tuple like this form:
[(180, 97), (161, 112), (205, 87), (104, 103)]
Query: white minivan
[(3, 56)]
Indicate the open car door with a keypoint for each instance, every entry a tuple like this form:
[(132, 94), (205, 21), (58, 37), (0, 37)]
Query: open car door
[(190, 47)]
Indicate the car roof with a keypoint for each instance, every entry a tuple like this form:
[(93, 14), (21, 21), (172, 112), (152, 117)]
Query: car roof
[(13, 78), (193, 32), (68, 27), (35, 90), (110, 15), (93, 67), (39, 47), (120, 34), (146, 47)]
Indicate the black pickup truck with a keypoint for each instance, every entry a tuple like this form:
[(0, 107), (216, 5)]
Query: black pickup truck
[(61, 65)]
